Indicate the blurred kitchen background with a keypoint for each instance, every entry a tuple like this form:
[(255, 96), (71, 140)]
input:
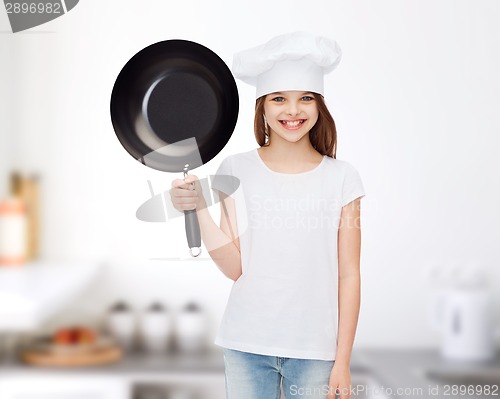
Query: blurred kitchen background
[(415, 100)]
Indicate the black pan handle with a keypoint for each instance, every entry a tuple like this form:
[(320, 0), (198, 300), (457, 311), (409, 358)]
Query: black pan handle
[(193, 234)]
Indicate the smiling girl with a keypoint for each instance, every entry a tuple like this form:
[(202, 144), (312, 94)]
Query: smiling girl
[(289, 236)]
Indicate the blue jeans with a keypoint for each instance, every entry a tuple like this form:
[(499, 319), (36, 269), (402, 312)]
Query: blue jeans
[(253, 376)]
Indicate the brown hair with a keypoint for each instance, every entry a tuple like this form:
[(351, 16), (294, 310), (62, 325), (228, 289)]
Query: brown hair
[(323, 135)]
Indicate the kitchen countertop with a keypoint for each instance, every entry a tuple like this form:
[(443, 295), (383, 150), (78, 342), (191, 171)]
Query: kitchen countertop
[(205, 362), (406, 369), (210, 361)]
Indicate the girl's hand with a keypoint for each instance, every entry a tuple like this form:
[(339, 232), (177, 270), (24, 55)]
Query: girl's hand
[(340, 382), (187, 194)]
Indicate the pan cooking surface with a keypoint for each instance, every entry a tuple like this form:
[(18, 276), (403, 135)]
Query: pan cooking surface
[(169, 92), (181, 105)]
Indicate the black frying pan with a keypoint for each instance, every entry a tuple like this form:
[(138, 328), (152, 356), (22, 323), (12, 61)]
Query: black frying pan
[(174, 107)]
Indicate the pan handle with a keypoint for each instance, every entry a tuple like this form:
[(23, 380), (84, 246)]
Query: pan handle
[(192, 224), (193, 232)]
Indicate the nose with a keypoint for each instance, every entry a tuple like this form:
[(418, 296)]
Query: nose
[(292, 108)]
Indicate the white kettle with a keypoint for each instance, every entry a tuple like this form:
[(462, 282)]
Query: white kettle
[(464, 318), (463, 314)]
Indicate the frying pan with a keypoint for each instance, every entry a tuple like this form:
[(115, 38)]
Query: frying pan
[(174, 107)]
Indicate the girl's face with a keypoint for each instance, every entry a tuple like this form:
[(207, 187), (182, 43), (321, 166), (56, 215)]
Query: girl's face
[(291, 114)]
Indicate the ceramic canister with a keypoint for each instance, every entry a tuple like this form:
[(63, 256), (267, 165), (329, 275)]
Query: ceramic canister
[(121, 323), (13, 233), (156, 328)]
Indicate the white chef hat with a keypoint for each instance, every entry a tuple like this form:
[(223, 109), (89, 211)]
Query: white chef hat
[(293, 61)]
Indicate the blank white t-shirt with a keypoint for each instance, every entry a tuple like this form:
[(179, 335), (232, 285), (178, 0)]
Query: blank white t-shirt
[(285, 302)]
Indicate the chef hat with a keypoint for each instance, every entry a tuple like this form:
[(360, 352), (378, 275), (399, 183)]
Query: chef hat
[(293, 61)]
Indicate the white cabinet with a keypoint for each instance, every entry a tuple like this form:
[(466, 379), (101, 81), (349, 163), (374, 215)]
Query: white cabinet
[(137, 376), (31, 294), (63, 387)]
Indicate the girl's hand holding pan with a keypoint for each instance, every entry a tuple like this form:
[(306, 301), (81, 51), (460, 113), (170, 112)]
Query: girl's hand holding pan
[(187, 194)]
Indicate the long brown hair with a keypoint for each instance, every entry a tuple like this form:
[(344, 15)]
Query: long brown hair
[(323, 135)]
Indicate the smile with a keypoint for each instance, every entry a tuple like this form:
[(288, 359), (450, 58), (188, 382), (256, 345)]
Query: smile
[(292, 124)]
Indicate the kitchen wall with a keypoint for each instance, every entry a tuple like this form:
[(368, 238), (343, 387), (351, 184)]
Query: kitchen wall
[(6, 90), (415, 101)]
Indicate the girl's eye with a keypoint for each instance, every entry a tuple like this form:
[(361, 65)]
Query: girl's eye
[(278, 99), (307, 98)]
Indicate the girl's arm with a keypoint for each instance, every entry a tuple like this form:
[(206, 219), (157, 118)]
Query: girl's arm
[(223, 244), (349, 246)]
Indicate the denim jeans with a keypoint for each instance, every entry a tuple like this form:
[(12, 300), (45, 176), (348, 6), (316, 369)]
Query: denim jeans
[(253, 376)]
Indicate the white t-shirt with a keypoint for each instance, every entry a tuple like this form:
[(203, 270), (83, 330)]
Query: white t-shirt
[(285, 302)]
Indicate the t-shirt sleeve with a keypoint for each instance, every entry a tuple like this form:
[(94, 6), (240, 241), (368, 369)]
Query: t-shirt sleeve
[(353, 186), (224, 180)]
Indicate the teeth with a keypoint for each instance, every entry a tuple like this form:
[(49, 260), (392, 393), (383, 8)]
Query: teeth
[(292, 123)]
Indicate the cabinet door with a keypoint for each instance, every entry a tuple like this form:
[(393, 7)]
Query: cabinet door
[(50, 387)]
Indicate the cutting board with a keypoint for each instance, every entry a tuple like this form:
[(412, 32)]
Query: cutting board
[(92, 357)]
